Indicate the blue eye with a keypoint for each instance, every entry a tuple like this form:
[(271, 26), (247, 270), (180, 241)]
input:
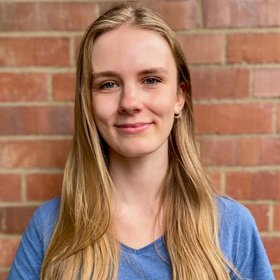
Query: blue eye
[(151, 81), (108, 85)]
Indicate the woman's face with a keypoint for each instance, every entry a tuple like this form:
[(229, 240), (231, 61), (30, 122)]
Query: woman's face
[(134, 90)]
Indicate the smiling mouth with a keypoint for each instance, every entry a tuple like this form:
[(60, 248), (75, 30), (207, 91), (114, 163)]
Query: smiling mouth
[(133, 128)]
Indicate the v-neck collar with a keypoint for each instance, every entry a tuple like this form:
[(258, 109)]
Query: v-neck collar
[(155, 244)]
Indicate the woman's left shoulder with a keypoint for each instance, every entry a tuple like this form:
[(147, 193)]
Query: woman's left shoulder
[(230, 210), (235, 220), (240, 240)]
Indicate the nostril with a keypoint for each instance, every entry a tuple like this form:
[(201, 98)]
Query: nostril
[(130, 102), (129, 111)]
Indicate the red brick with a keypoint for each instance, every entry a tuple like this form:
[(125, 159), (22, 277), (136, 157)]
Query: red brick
[(216, 181), (218, 151), (259, 151), (233, 119), (14, 219), (43, 186), (34, 154), (249, 151), (10, 187), (253, 48), (267, 83), (178, 14), (77, 46), (234, 151), (220, 83), (262, 185), (23, 87), (8, 247), (63, 86), (270, 151), (272, 245), (245, 13), (202, 48), (261, 215), (276, 217), (276, 274), (24, 120), (46, 16), (34, 51), (3, 275), (105, 6), (278, 118)]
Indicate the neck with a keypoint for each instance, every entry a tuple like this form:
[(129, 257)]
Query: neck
[(136, 196), (138, 180)]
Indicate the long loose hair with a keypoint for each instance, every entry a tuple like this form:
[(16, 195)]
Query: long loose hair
[(82, 244)]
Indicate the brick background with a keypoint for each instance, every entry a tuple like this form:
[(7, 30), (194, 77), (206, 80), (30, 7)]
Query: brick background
[(233, 48)]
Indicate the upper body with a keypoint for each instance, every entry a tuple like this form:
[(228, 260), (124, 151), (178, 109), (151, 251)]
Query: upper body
[(134, 173), (238, 236)]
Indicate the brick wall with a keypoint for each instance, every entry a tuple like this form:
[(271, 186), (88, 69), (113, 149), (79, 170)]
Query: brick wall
[(233, 48)]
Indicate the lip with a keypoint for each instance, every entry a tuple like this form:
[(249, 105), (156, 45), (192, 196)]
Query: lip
[(133, 128)]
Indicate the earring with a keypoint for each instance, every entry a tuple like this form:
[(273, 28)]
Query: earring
[(177, 115)]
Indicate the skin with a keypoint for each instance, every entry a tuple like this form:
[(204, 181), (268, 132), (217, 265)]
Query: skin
[(135, 96)]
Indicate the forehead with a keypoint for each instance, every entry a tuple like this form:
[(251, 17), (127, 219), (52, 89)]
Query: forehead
[(131, 45)]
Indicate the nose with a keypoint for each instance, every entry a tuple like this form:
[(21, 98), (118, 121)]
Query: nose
[(131, 100)]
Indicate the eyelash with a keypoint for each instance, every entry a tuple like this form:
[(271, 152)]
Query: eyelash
[(154, 79), (149, 81), (103, 86)]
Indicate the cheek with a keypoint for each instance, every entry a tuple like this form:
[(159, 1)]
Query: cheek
[(102, 108), (164, 103)]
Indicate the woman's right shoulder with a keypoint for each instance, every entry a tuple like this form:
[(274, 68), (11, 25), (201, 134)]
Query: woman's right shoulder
[(49, 207), (34, 242), (48, 210), (44, 219)]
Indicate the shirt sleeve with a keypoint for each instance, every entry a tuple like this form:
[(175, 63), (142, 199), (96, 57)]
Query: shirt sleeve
[(252, 261), (242, 242), (30, 253)]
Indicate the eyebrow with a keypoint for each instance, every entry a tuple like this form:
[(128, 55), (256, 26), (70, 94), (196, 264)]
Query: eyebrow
[(103, 74), (153, 70), (141, 73)]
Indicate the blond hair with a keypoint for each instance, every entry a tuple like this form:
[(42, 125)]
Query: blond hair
[(82, 244)]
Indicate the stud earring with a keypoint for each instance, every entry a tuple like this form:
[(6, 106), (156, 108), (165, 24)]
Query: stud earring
[(177, 115)]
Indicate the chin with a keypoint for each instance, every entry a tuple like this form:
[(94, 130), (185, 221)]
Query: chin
[(135, 150), (129, 153)]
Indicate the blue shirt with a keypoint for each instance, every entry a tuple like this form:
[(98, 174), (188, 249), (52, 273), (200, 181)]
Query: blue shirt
[(238, 236)]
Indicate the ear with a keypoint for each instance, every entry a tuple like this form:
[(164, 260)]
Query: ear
[(181, 97)]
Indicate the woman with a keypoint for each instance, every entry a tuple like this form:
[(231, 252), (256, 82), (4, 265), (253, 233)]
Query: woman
[(136, 202)]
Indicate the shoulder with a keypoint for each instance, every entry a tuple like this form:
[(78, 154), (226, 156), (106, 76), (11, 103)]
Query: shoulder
[(44, 219), (235, 221), (29, 257), (230, 211), (47, 213), (240, 240), (49, 208)]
